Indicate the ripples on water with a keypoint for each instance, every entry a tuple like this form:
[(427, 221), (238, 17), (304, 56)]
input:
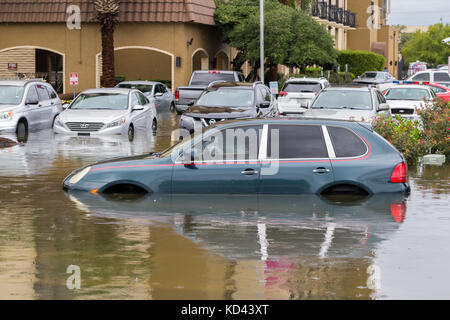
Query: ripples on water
[(210, 247)]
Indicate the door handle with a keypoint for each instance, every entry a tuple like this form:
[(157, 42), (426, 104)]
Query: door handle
[(321, 170), (249, 172)]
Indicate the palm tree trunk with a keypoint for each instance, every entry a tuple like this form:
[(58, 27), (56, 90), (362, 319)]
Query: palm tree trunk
[(107, 30)]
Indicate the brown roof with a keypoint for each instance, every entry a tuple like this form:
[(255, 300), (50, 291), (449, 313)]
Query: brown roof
[(32, 11)]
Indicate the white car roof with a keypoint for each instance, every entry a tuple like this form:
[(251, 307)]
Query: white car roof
[(110, 90), (306, 79)]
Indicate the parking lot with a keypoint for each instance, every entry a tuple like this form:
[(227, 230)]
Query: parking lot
[(230, 247)]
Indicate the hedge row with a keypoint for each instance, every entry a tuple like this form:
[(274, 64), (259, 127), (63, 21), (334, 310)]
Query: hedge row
[(360, 61)]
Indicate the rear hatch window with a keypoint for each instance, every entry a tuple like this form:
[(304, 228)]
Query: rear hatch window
[(311, 87), (204, 79)]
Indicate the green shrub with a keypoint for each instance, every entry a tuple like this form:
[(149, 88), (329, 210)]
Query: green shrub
[(341, 77), (435, 124), (403, 134), (360, 61), (418, 138)]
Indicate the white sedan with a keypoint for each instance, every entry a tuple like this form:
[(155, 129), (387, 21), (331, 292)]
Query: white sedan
[(107, 111), (404, 100)]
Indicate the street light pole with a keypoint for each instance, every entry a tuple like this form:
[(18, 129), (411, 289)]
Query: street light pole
[(261, 39)]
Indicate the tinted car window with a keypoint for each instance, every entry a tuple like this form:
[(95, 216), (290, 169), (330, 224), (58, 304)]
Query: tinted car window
[(346, 143), (343, 99), (52, 93), (241, 143), (437, 89), (422, 77), (142, 99), (42, 93), (296, 142), (203, 79), (227, 97), (441, 76), (302, 87)]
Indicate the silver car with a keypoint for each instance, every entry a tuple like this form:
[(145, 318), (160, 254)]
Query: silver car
[(162, 96), (107, 111), (27, 105), (349, 103)]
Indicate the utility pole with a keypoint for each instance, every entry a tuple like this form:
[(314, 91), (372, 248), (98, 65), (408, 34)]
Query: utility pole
[(261, 39)]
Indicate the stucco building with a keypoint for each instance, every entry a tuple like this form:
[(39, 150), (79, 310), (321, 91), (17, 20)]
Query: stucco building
[(159, 40)]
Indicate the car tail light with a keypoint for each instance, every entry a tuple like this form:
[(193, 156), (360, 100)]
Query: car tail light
[(177, 96), (282, 93), (400, 173), (214, 71), (398, 211)]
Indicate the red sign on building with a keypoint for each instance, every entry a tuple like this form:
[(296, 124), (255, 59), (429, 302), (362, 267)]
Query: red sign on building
[(12, 66)]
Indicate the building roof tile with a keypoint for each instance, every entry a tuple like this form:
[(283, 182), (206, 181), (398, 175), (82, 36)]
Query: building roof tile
[(40, 11)]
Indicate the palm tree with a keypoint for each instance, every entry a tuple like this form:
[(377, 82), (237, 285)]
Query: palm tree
[(107, 15)]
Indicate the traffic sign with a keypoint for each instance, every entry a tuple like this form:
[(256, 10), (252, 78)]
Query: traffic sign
[(73, 78)]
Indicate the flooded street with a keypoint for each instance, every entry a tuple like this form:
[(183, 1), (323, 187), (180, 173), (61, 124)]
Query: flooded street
[(211, 247)]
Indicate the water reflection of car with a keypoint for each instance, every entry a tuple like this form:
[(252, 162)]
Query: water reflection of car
[(156, 91), (238, 157), (234, 224), (297, 94), (381, 79), (107, 111), (229, 100), (404, 100), (348, 103), (27, 105)]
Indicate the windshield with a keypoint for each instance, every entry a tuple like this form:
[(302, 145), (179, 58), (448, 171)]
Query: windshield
[(302, 87), (343, 99), (232, 98), (373, 75), (101, 101), (145, 88), (11, 94), (204, 79), (407, 94)]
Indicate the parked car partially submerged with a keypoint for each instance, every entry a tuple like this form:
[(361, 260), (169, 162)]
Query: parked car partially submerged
[(258, 156), (297, 94), (27, 105), (349, 103), (406, 99), (157, 92), (107, 111)]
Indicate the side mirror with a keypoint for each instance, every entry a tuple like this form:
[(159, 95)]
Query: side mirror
[(65, 106), (32, 102), (383, 107), (159, 94), (138, 108), (190, 104), (264, 105)]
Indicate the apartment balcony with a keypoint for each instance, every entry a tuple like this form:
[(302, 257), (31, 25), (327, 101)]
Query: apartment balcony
[(332, 13)]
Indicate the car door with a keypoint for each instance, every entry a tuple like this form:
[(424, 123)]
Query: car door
[(225, 162), (32, 107), (55, 102), (149, 110), (159, 97), (297, 160), (166, 97), (45, 107), (138, 116), (441, 77)]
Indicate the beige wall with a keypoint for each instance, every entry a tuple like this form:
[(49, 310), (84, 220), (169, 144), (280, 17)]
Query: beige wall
[(81, 48), (24, 57)]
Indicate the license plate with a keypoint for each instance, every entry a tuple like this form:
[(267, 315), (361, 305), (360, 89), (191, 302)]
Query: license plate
[(83, 134)]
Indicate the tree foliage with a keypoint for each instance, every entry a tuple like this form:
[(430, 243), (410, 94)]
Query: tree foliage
[(428, 46), (291, 36)]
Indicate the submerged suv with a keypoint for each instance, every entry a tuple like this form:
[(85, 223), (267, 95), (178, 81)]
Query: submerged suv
[(258, 156), (229, 100), (27, 105)]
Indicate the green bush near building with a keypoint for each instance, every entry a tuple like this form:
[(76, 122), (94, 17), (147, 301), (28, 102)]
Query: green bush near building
[(360, 61)]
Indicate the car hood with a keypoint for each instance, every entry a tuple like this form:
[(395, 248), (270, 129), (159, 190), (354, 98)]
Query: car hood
[(405, 104), (340, 114), (219, 112), (105, 116), (7, 107)]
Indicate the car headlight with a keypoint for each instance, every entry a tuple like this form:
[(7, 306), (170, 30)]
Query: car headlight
[(78, 176), (6, 115), (59, 122), (117, 123)]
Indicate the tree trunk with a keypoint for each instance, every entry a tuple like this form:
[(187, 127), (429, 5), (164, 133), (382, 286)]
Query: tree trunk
[(107, 30), (273, 72)]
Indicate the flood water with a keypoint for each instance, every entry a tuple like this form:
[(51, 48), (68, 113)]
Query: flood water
[(211, 247)]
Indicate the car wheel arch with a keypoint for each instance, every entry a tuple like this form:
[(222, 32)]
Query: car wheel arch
[(125, 185), (337, 187)]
